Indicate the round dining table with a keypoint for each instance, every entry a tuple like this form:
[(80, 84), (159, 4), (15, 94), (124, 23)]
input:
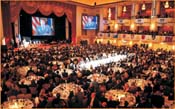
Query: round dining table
[(28, 80), (64, 90), (139, 82), (121, 96), (23, 70), (18, 104), (99, 78)]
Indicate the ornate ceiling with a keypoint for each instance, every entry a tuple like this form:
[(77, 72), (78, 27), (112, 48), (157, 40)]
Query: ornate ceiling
[(103, 2), (98, 2)]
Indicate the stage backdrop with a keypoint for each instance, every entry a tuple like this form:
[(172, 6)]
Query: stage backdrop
[(45, 8), (59, 26)]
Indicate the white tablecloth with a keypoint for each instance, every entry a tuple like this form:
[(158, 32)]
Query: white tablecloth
[(29, 79), (100, 78), (139, 82), (18, 104), (120, 95), (65, 89)]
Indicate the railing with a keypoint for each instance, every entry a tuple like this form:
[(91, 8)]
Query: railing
[(137, 37)]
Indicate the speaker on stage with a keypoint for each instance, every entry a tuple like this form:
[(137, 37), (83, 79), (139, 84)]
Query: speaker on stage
[(4, 48)]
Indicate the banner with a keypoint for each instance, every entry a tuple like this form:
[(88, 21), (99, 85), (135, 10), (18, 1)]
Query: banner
[(132, 36), (115, 35), (100, 34), (165, 20), (161, 20), (143, 37), (120, 21), (146, 37), (124, 36), (168, 38), (153, 36), (139, 21)]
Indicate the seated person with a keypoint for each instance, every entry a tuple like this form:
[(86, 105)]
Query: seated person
[(65, 74)]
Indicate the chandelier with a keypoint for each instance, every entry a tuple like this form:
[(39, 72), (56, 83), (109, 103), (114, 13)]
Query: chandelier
[(109, 14), (124, 9), (166, 4), (143, 6)]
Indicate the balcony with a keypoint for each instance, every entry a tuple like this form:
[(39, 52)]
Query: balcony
[(165, 20), (123, 21), (142, 20)]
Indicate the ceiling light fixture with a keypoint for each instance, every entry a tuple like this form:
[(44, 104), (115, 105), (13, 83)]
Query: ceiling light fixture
[(124, 9), (143, 6), (167, 4), (109, 13)]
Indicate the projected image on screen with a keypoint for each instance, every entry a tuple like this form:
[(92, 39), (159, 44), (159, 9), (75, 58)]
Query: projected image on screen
[(89, 22), (42, 26)]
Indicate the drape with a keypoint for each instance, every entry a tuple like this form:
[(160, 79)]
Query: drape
[(45, 8), (7, 29)]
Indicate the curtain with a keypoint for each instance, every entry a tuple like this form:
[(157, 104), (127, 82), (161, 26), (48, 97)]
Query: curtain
[(73, 25), (45, 8), (7, 29)]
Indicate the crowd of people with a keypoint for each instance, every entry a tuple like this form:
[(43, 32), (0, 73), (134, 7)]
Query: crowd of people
[(147, 32), (93, 96)]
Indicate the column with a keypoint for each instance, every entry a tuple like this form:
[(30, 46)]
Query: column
[(157, 7), (2, 42), (119, 11), (116, 12), (16, 27), (67, 29), (153, 10), (17, 31), (174, 20), (174, 27), (101, 26), (136, 9), (116, 17), (7, 29), (133, 10)]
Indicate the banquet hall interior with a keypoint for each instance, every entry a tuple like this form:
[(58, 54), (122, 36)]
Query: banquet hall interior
[(87, 54)]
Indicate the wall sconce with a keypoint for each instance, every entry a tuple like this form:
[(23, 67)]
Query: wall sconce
[(152, 28), (3, 41), (173, 47), (143, 6), (132, 26), (150, 45), (116, 27), (124, 9), (109, 13), (162, 43), (167, 4), (130, 43)]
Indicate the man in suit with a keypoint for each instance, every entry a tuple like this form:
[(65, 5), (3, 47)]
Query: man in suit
[(44, 28), (93, 101)]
